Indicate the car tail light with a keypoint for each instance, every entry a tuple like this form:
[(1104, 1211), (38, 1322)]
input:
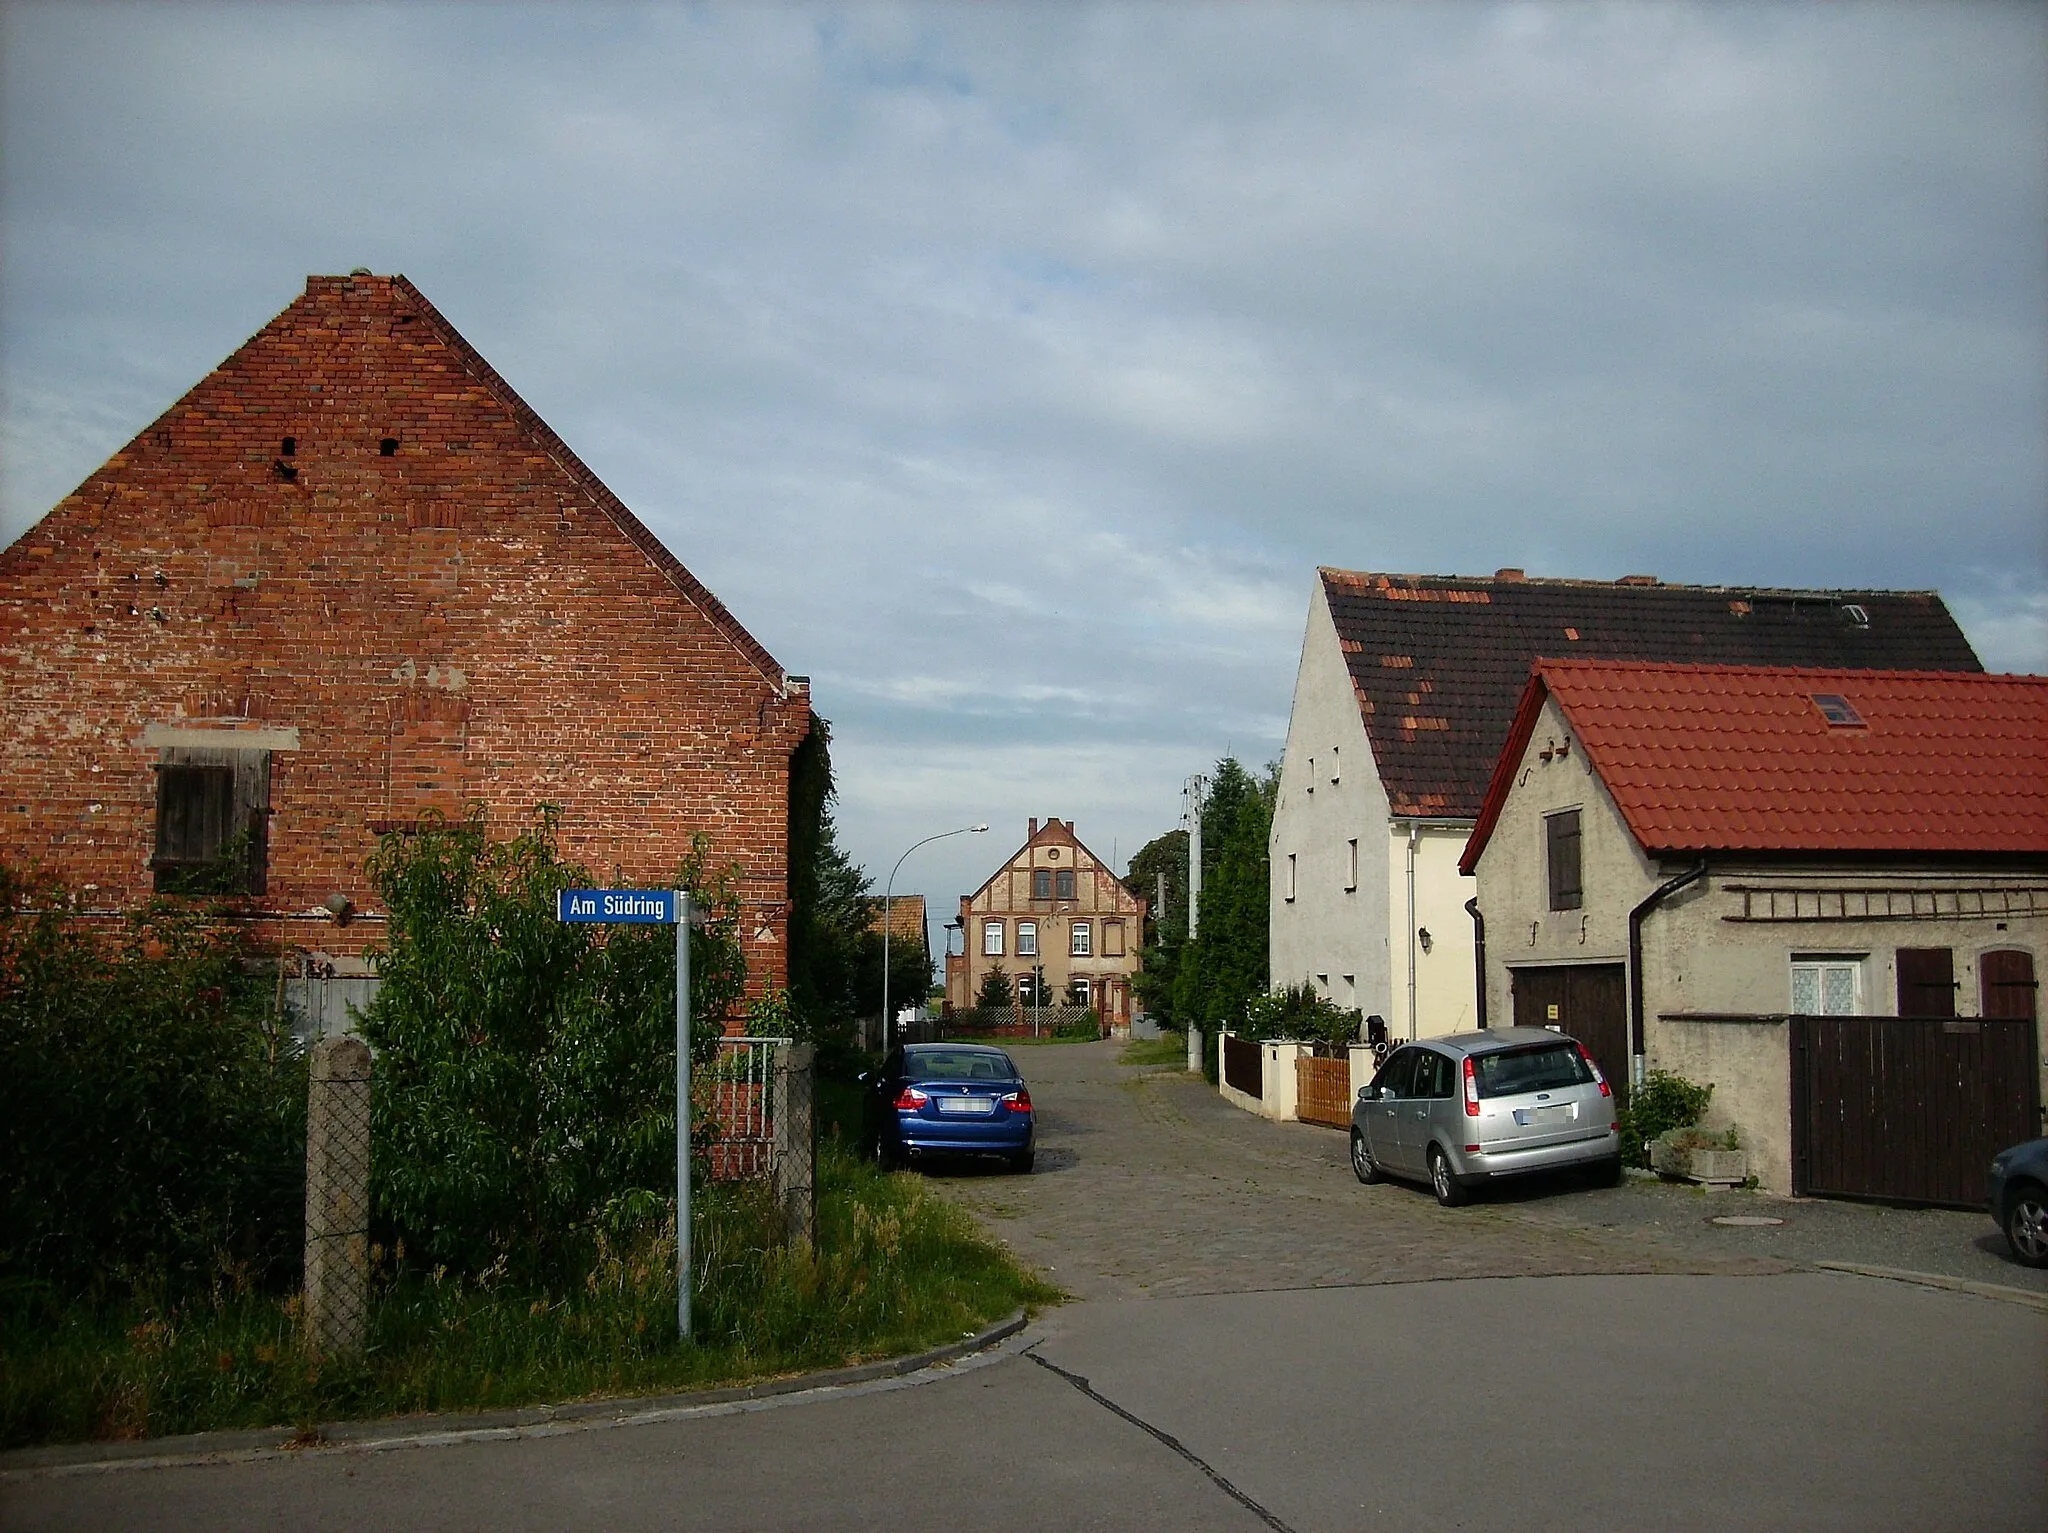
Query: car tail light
[(1471, 1089), (1598, 1079), (1018, 1100), (911, 1099)]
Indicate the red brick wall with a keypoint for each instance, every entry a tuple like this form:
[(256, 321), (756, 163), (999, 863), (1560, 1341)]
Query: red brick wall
[(472, 617)]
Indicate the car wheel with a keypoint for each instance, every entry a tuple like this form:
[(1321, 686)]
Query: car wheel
[(1605, 1173), (1363, 1166), (1443, 1181), (2026, 1224), (1022, 1162)]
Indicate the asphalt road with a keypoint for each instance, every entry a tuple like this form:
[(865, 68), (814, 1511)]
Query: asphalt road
[(1271, 1346)]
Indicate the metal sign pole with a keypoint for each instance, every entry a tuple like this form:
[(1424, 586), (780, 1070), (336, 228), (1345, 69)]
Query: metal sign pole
[(683, 1112)]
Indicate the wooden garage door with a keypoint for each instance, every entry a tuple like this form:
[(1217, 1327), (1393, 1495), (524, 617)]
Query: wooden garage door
[(1589, 1001), (1909, 1109)]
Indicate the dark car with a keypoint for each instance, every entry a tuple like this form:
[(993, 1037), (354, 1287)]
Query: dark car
[(2019, 1200), (948, 1099)]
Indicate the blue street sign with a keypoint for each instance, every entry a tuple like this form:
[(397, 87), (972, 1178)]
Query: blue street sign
[(640, 907)]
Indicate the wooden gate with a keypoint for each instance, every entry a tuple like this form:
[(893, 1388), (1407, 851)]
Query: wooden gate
[(1909, 1109), (1244, 1066), (1322, 1090), (1588, 1001)]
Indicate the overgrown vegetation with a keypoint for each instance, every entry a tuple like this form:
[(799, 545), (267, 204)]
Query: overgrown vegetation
[(1302, 1014), (896, 1269), (152, 1110), (1663, 1102), (525, 1096), (1166, 1049)]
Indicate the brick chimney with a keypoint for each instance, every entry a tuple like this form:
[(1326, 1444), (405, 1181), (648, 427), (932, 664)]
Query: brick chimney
[(1034, 827)]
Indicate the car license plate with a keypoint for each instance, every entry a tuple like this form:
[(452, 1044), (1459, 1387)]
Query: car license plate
[(1540, 1117), (966, 1104)]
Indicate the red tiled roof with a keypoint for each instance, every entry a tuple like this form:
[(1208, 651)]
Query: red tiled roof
[(1742, 758), (1437, 661), (906, 919)]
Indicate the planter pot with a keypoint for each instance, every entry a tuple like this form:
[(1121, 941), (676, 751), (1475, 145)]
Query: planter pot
[(1720, 1167)]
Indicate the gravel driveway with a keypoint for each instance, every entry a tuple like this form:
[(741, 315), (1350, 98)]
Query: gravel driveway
[(1149, 1183)]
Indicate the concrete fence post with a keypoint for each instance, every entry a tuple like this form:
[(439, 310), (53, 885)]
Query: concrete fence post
[(796, 1141), (338, 1196)]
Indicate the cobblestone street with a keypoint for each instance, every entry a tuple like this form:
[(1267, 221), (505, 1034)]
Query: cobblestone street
[(1148, 1183)]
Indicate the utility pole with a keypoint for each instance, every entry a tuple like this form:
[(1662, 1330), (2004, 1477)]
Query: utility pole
[(1191, 812)]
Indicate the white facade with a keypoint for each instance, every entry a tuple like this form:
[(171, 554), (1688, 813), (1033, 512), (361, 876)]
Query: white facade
[(1354, 887)]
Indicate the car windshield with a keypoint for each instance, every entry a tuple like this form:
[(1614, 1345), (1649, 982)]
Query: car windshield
[(1542, 1067), (958, 1065)]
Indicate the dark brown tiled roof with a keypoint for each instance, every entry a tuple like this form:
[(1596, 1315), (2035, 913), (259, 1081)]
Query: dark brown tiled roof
[(1438, 662)]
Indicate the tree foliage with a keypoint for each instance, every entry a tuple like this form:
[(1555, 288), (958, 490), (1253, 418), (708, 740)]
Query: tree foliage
[(996, 991), (152, 1111), (835, 946), (525, 1087), (1225, 964), (1301, 1014)]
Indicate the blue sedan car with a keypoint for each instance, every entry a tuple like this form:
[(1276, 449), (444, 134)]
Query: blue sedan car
[(947, 1099)]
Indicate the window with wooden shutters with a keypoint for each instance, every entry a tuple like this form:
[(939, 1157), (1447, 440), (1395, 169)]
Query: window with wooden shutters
[(1927, 981), (212, 822), (1561, 846)]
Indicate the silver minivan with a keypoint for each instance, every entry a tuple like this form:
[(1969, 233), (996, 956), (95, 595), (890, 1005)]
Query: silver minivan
[(1460, 1111)]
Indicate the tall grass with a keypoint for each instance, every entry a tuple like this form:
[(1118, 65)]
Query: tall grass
[(894, 1269)]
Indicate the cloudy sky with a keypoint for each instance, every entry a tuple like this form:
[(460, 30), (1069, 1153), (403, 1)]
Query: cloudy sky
[(1009, 369)]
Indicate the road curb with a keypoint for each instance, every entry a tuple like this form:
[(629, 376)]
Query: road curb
[(2021, 1296), (434, 1430)]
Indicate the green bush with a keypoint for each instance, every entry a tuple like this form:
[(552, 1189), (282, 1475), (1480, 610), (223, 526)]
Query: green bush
[(152, 1111), (1086, 1023), (1662, 1103), (1300, 1014), (525, 1096)]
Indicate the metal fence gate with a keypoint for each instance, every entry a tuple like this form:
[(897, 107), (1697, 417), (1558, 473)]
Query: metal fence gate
[(737, 1091), (1243, 1065), (1909, 1108)]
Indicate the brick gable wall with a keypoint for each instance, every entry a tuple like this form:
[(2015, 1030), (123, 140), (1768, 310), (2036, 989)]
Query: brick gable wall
[(469, 615)]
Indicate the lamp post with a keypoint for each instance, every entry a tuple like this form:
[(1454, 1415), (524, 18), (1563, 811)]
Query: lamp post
[(888, 892)]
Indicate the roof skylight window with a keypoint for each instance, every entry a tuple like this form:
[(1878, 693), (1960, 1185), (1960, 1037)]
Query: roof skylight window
[(1837, 711)]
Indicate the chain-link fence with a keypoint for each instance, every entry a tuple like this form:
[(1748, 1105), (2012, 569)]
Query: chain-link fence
[(337, 1196)]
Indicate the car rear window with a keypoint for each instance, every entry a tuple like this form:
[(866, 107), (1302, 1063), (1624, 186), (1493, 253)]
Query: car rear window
[(958, 1065), (1541, 1067)]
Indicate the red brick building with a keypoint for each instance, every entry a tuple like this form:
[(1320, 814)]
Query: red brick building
[(349, 579)]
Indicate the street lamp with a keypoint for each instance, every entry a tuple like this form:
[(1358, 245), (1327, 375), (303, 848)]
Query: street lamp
[(888, 892)]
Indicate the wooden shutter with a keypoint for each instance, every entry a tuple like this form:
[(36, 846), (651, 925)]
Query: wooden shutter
[(1927, 981), (1561, 834), (2006, 985)]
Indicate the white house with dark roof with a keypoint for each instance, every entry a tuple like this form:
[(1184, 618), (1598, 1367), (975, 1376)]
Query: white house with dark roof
[(1405, 692)]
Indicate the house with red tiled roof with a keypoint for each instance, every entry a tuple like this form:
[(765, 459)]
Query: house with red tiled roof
[(1822, 891), (1406, 688), (350, 582)]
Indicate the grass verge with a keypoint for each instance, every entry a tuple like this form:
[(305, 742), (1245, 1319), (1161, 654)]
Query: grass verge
[(896, 1270), (1170, 1049)]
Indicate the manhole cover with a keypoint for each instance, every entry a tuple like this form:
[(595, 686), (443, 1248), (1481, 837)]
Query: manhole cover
[(1745, 1221)]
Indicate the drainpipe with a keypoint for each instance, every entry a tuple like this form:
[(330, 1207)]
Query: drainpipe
[(1414, 833), (1478, 952), (1663, 892)]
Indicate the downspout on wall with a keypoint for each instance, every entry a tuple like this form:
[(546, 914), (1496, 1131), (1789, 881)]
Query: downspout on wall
[(1414, 835), (1478, 954), (1637, 1048)]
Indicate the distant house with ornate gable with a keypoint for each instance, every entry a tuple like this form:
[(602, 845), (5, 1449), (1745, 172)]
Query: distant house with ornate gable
[(1057, 911), (351, 581), (1406, 688)]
